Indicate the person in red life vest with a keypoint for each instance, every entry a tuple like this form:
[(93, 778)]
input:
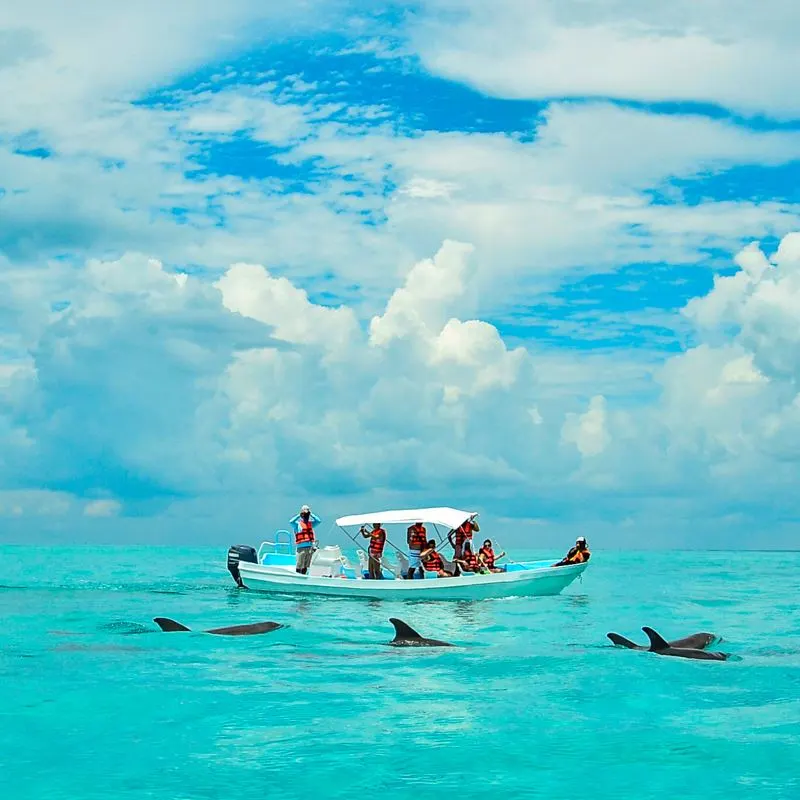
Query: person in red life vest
[(487, 557), (432, 561), (377, 541), (468, 560), (304, 538), (461, 534), (417, 539), (577, 555)]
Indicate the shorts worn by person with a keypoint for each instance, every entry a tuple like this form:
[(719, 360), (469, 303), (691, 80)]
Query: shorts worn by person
[(417, 539), (579, 554), (377, 541), (304, 538)]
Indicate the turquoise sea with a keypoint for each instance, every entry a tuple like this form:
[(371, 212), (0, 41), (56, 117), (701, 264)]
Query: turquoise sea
[(95, 702)]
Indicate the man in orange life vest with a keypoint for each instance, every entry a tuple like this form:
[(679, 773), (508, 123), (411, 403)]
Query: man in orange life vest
[(461, 534), (377, 540), (304, 539), (577, 555), (417, 539)]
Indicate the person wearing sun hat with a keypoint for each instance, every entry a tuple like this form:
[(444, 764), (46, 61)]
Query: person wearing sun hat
[(577, 555), (304, 537)]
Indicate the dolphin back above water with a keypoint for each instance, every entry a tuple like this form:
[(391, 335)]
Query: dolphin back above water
[(697, 641), (662, 647), (252, 629), (406, 636)]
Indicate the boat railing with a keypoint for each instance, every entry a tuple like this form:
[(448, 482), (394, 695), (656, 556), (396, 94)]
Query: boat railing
[(282, 544)]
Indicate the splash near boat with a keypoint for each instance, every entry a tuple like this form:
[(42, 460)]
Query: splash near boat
[(273, 567)]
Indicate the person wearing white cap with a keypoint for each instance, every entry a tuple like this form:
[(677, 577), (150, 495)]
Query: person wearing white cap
[(304, 537), (577, 555)]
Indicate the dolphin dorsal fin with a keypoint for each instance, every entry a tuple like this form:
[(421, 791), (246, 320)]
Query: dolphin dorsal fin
[(621, 641), (167, 624), (402, 630), (657, 642)]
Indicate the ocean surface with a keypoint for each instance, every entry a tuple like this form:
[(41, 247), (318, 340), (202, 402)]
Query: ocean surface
[(96, 702)]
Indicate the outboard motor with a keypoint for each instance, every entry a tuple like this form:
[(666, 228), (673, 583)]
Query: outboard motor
[(237, 553)]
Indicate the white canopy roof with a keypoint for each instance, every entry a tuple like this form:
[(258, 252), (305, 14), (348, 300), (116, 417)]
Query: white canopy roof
[(448, 517)]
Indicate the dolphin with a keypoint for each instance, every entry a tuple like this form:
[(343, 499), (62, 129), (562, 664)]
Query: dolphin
[(406, 636), (252, 629), (663, 648), (697, 641)]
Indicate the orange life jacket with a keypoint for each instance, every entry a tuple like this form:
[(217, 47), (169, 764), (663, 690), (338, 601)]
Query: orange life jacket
[(377, 540), (305, 532), (579, 556), (464, 532), (434, 563), (417, 537), (488, 556)]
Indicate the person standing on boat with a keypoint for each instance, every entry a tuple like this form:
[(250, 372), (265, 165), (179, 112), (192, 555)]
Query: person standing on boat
[(417, 539), (377, 541), (304, 538), (576, 555), (461, 534), (487, 557)]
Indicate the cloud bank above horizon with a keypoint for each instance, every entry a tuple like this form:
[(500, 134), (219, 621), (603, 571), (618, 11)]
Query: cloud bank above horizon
[(543, 263)]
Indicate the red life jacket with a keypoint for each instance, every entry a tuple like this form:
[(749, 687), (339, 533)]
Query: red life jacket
[(434, 563), (305, 532), (471, 560), (417, 537), (377, 539), (464, 532), (488, 556)]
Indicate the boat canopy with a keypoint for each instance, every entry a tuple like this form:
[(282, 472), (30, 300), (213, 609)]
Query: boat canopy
[(448, 517)]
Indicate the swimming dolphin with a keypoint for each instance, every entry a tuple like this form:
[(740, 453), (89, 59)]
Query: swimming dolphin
[(252, 629), (406, 636), (697, 641), (663, 648)]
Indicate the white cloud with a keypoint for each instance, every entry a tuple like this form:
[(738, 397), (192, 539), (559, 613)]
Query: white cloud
[(178, 386), (102, 508), (588, 431), (738, 55)]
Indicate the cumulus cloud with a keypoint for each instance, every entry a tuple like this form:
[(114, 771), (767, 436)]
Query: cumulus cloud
[(154, 382)]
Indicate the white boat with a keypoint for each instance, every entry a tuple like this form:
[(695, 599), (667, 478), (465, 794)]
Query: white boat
[(272, 567)]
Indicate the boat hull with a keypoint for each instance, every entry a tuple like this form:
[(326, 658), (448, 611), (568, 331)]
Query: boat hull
[(530, 582)]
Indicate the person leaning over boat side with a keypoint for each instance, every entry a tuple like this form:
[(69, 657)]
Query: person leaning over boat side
[(377, 541), (432, 561), (304, 539), (576, 555), (462, 534), (417, 538), (487, 557)]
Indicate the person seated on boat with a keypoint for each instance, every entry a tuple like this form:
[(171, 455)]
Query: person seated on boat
[(377, 541), (487, 557), (577, 555), (468, 561), (304, 538), (461, 534), (432, 561), (417, 539)]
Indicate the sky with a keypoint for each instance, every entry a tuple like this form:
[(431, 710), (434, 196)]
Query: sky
[(538, 259)]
